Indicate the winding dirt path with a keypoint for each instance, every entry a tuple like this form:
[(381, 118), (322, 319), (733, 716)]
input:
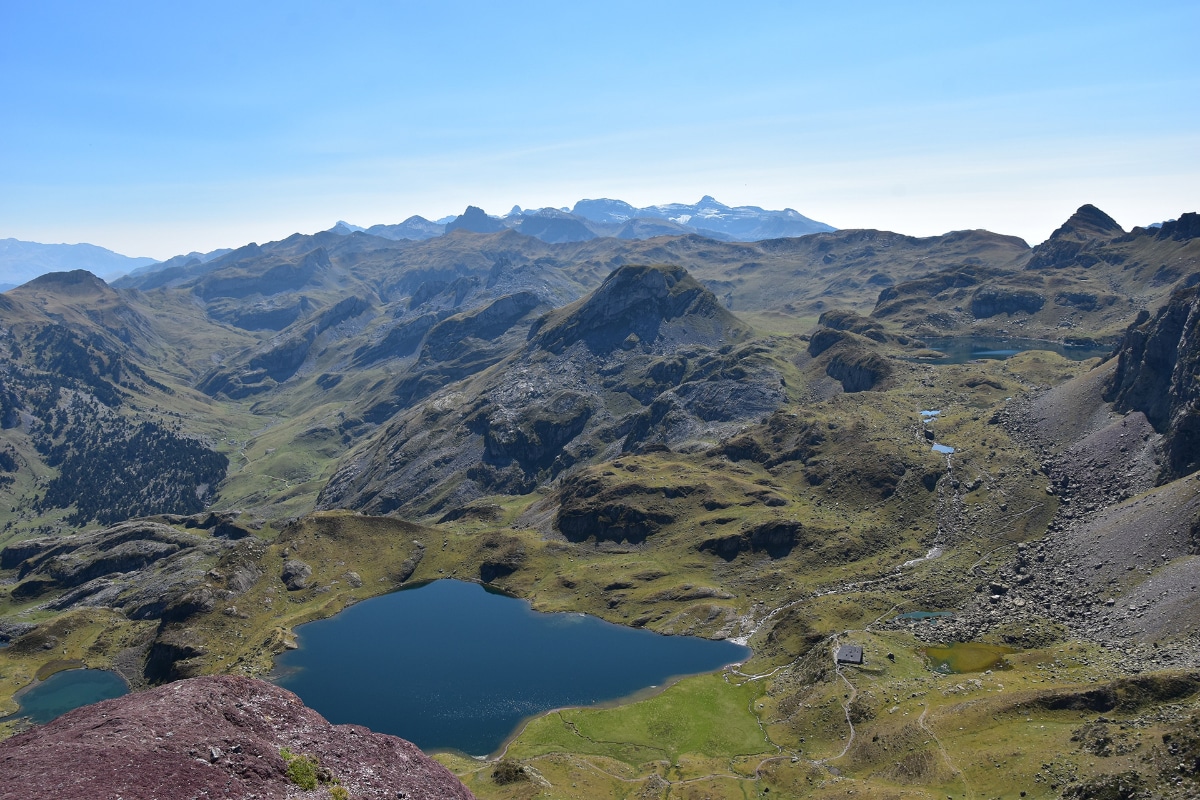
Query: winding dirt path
[(845, 709)]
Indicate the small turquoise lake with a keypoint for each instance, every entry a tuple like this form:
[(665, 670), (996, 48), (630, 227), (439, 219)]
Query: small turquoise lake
[(454, 666), (66, 691)]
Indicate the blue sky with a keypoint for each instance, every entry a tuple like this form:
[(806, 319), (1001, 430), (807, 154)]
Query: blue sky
[(160, 128)]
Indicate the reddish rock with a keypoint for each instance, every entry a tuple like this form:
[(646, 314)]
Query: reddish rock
[(211, 737)]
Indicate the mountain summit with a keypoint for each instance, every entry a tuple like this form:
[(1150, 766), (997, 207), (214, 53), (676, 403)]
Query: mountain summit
[(475, 220), (1088, 223), (1074, 241)]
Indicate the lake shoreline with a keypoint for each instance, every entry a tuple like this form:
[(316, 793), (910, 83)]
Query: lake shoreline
[(459, 670)]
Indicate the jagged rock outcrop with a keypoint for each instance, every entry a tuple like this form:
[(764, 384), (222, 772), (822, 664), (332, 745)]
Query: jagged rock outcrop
[(1158, 373), (859, 370), (533, 437), (1185, 228), (213, 737)]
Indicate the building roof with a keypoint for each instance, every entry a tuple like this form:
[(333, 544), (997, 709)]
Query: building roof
[(849, 654)]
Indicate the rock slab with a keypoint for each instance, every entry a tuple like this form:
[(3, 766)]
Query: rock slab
[(217, 736)]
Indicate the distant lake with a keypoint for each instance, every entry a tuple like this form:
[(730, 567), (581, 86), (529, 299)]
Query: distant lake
[(454, 666), (961, 349), (66, 691)]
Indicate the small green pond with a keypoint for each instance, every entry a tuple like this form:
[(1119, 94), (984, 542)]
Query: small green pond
[(967, 657)]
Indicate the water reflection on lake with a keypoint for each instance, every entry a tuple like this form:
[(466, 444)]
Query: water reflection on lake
[(960, 350), (452, 666)]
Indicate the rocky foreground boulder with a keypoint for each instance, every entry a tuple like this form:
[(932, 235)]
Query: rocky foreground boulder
[(219, 736)]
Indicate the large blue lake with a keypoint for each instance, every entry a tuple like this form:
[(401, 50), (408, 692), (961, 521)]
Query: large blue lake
[(960, 350), (452, 666)]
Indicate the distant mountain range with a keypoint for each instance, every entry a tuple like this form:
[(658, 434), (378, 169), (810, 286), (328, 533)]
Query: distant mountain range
[(24, 261), (589, 219), (593, 219)]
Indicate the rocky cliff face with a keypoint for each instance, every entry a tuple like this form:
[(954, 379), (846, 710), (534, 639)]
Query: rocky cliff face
[(214, 737), (1158, 373), (988, 301), (849, 359)]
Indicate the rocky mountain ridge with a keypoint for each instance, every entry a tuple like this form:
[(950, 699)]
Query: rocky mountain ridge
[(1083, 283), (379, 326), (591, 219)]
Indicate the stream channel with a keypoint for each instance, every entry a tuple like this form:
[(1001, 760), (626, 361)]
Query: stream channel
[(453, 666)]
